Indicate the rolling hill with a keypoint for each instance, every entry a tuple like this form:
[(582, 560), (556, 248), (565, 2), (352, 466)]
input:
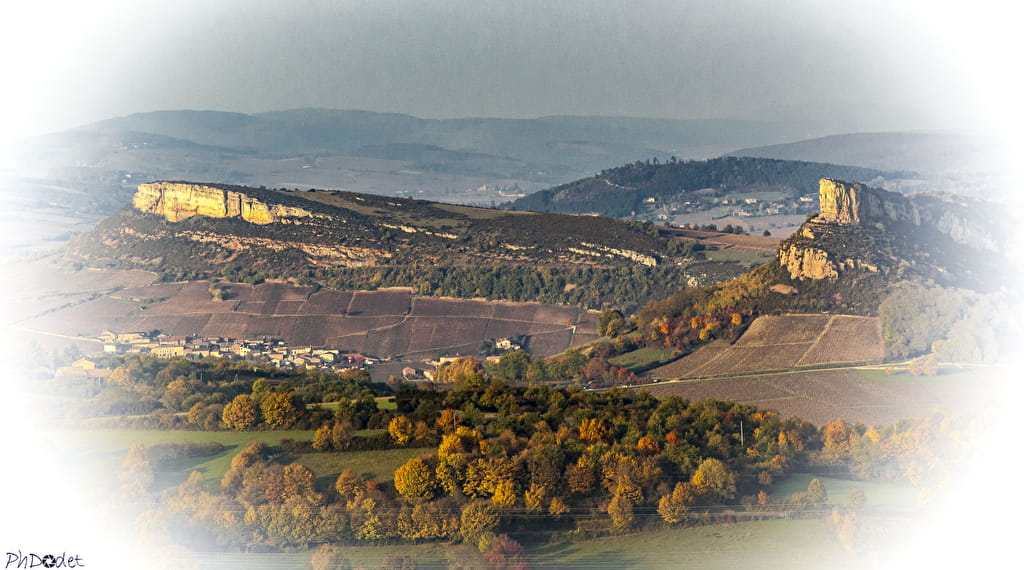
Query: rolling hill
[(691, 186), (347, 240)]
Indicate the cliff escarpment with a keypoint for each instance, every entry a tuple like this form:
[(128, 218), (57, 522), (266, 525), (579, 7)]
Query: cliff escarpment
[(176, 201), (852, 203), (862, 231)]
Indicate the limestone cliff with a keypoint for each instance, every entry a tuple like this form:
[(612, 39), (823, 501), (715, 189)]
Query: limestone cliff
[(807, 262), (869, 230), (176, 201), (852, 203)]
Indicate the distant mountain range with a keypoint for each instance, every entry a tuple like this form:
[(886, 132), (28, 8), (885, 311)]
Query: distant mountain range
[(66, 181), (947, 162), (474, 161)]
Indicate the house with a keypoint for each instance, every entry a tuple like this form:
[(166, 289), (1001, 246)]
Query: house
[(84, 363), (168, 351)]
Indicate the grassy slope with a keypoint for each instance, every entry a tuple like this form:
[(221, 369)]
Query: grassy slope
[(104, 449)]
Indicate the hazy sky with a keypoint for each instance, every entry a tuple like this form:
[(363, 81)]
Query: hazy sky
[(918, 64)]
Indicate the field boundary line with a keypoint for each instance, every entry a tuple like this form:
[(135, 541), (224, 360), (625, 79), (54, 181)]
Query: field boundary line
[(821, 335)]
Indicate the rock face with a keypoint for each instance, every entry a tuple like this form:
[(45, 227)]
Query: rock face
[(870, 230), (807, 262), (177, 201), (852, 203)]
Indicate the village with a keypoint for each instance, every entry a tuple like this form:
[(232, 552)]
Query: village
[(273, 351)]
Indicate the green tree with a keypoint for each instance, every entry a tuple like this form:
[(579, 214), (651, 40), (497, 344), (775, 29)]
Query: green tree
[(479, 519)]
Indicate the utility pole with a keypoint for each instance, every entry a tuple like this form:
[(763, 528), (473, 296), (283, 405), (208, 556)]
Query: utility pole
[(741, 434)]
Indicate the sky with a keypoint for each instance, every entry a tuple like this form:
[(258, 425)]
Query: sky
[(876, 66)]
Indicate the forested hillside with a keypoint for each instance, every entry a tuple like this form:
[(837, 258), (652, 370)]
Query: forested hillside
[(619, 191)]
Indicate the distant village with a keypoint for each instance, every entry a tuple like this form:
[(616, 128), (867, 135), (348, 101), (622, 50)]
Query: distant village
[(269, 350), (272, 350)]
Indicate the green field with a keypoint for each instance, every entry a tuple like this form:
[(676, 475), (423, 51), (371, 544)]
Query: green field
[(104, 449), (795, 544), (386, 403), (379, 465), (644, 358), (878, 495)]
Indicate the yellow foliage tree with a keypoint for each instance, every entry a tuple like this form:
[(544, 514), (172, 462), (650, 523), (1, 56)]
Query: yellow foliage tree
[(713, 479), (620, 509), (648, 444), (279, 410), (674, 506), (400, 429), (240, 413), (322, 438), (415, 480), (592, 430)]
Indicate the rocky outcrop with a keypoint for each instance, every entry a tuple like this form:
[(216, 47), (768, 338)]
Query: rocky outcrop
[(807, 262), (176, 201), (852, 203)]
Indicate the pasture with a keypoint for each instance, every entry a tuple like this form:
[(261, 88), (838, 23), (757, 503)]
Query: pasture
[(101, 451)]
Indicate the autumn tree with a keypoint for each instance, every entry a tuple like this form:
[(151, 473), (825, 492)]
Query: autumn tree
[(592, 430), (241, 413), (479, 519), (674, 506), (329, 557), (415, 480), (857, 497), (620, 509), (322, 438), (401, 430), (136, 473), (280, 411), (713, 479), (349, 484)]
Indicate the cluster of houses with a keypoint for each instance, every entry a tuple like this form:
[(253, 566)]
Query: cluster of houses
[(275, 351)]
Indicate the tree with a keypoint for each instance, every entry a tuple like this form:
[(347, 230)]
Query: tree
[(512, 366), (816, 492), (713, 479), (857, 497), (592, 430), (610, 322), (329, 557), (136, 473), (400, 428), (349, 485), (479, 519), (415, 480), (241, 413), (674, 506), (620, 509), (322, 438), (280, 410)]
